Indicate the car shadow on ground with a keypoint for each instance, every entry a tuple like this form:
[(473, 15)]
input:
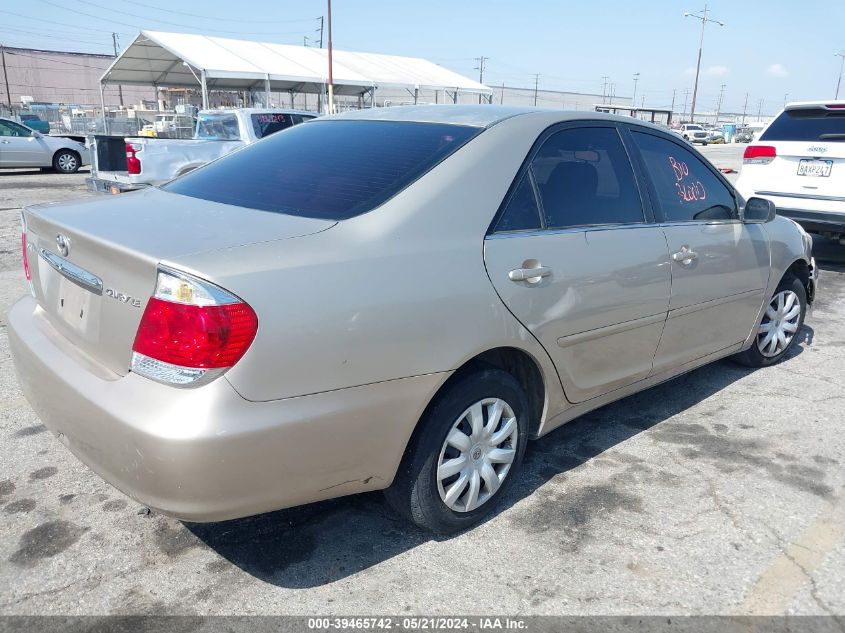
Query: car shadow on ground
[(325, 542)]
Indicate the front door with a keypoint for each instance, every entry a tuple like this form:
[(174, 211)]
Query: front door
[(720, 266), (19, 147), (574, 258)]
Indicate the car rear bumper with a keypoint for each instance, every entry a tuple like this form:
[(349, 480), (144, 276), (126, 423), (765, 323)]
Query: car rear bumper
[(100, 185), (207, 454), (815, 221)]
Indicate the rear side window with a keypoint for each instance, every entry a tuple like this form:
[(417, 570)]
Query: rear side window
[(521, 212), (218, 127), (329, 169), (687, 191), (811, 124), (584, 178), (269, 123)]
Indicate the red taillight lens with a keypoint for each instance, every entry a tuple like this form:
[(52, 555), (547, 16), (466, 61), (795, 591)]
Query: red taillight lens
[(759, 151), (25, 257), (133, 163), (204, 337)]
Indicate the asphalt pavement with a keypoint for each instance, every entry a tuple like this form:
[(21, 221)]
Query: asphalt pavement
[(722, 491)]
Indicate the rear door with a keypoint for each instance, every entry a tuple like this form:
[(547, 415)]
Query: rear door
[(575, 257), (720, 266)]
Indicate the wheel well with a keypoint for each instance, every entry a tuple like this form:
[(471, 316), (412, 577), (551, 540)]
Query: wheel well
[(801, 270), (521, 366), (65, 149)]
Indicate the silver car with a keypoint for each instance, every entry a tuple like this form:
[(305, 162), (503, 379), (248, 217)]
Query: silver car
[(21, 146), (393, 299)]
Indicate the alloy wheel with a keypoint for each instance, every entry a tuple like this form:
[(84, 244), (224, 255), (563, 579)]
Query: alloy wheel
[(780, 323), (477, 454), (67, 162)]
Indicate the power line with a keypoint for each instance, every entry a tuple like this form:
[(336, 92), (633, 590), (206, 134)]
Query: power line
[(208, 17), (27, 17)]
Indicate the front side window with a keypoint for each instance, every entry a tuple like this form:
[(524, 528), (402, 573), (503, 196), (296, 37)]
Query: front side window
[(268, 123), (584, 178), (330, 170), (10, 128), (218, 127), (685, 187)]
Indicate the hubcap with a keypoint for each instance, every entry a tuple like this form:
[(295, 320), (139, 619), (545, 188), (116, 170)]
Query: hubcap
[(477, 455), (67, 162), (780, 323)]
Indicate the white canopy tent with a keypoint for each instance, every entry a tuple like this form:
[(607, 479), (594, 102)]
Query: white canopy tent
[(216, 63)]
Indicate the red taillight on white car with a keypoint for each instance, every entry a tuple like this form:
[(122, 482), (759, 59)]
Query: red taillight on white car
[(133, 163), (759, 154), (191, 331), (25, 256)]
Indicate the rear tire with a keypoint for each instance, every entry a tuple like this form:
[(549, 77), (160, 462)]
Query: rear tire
[(780, 326), (66, 161), (426, 491)]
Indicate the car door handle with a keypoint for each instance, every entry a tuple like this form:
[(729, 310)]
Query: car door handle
[(531, 275), (685, 256)]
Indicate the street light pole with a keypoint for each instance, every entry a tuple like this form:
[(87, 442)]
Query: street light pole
[(841, 65), (331, 81), (634, 97), (704, 20)]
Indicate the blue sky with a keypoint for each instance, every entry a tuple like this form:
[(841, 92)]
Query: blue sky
[(766, 48)]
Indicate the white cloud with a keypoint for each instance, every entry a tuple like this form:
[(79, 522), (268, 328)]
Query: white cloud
[(710, 71), (716, 71), (777, 70)]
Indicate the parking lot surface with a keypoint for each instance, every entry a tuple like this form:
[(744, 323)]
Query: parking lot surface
[(722, 491)]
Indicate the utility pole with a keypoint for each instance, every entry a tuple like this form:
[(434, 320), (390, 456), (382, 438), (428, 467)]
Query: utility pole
[(604, 88), (744, 108), (759, 110), (480, 69), (719, 106), (841, 65), (6, 78), (119, 87), (331, 86), (502, 97), (684, 113), (536, 85), (704, 20), (672, 109), (322, 19), (785, 99), (634, 97)]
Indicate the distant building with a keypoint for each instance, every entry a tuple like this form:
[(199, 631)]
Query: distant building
[(59, 77)]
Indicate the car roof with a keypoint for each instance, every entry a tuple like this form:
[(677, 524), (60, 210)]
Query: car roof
[(799, 105), (476, 115)]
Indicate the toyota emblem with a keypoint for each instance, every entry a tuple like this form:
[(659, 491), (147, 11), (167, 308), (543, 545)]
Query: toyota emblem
[(63, 243)]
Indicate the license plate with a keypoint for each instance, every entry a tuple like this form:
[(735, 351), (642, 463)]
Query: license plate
[(814, 167)]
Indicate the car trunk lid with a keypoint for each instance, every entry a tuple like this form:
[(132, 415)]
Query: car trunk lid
[(93, 263)]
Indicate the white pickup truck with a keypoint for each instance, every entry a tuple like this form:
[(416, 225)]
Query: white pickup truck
[(121, 164)]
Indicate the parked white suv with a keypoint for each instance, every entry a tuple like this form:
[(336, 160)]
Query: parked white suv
[(798, 163), (694, 133)]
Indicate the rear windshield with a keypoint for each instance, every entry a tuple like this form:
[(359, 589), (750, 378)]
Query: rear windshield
[(218, 127), (329, 169), (814, 124)]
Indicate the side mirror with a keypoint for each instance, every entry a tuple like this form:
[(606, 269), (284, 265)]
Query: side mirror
[(759, 210)]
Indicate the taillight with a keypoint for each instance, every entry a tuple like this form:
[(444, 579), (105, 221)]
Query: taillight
[(25, 256), (133, 163), (759, 154), (191, 331)]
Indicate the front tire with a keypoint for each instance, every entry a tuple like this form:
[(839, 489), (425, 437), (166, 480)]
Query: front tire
[(465, 453), (780, 326), (66, 161)]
